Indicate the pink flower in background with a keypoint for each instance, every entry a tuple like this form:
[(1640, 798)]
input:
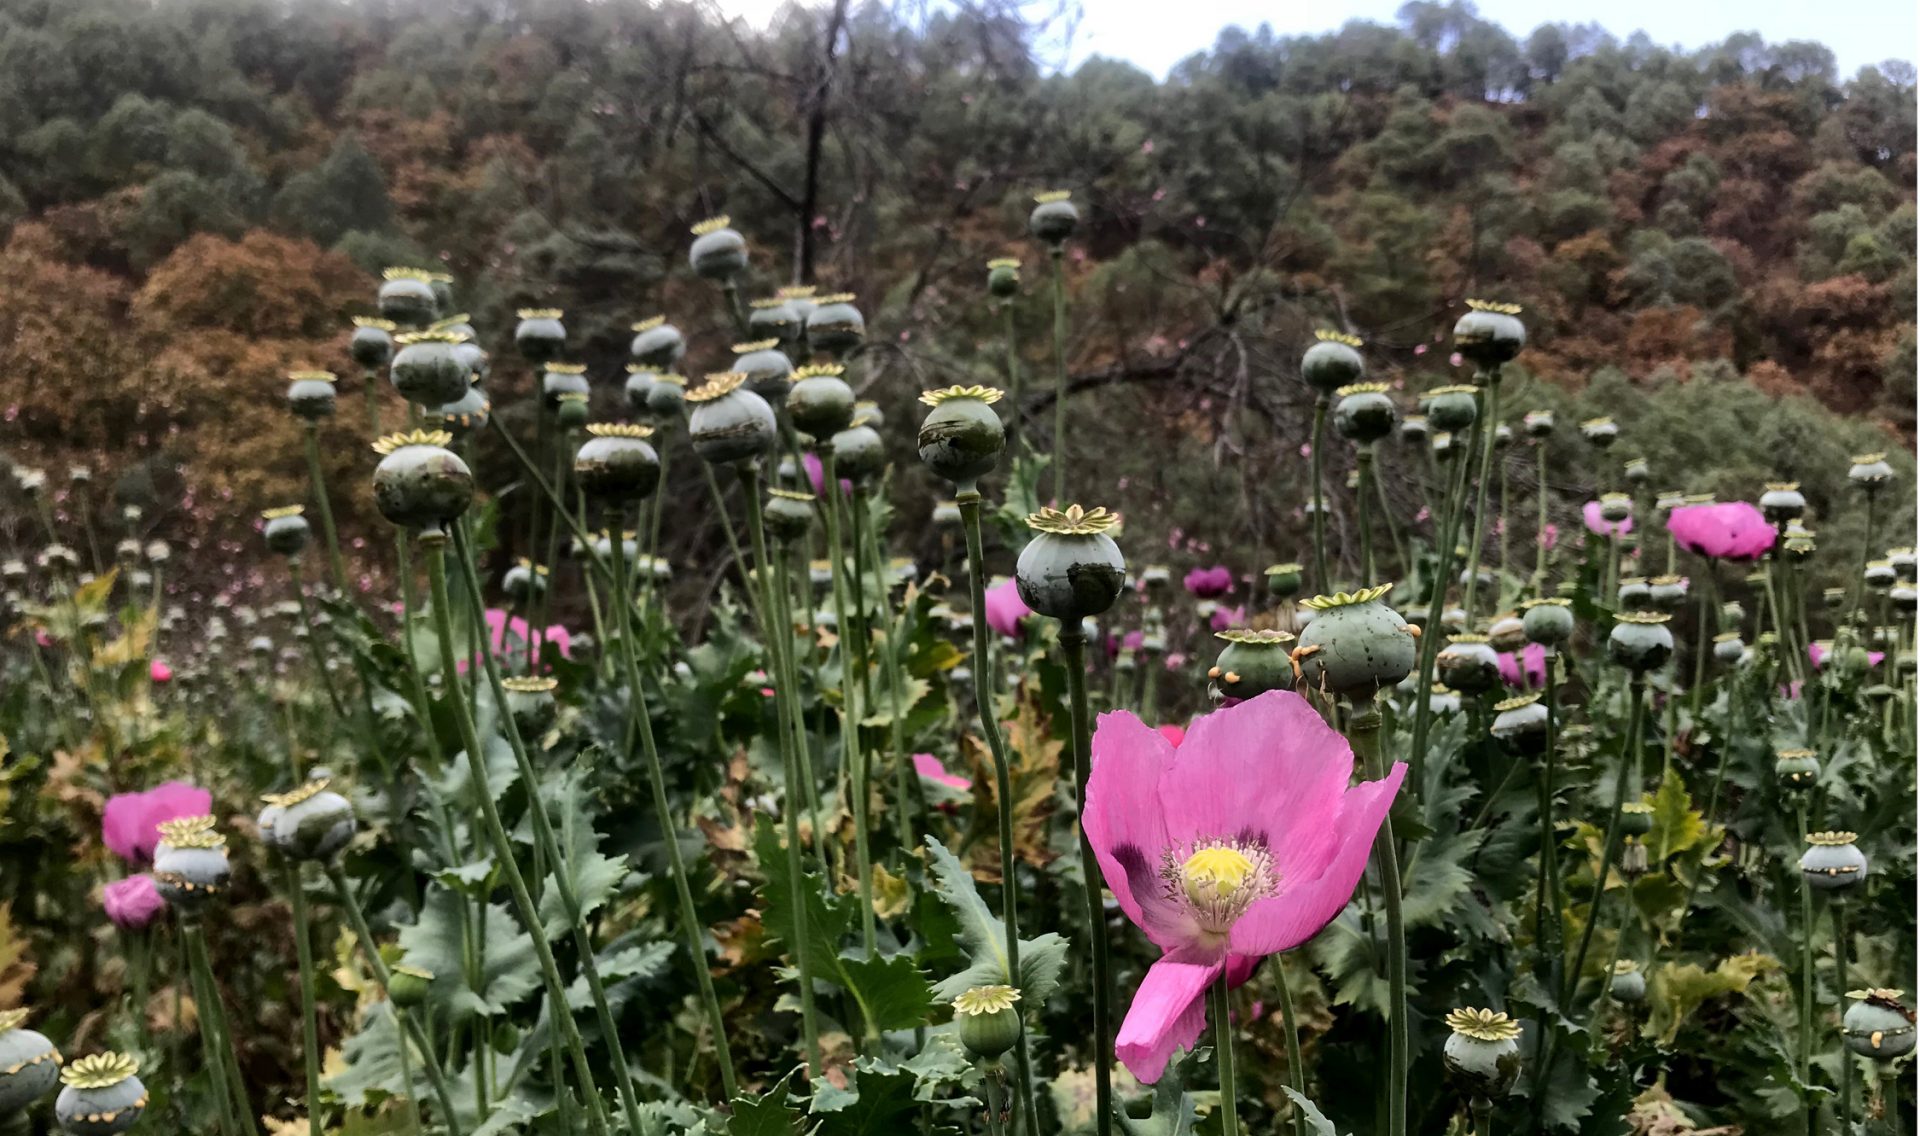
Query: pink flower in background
[(1456, 359), (159, 671), (1423, 516), (1005, 608), (509, 636), (1817, 653), (1176, 660), (1420, 349), (133, 903), (929, 767), (1600, 526), (1549, 536), (816, 472), (1255, 871), (1174, 734), (1209, 583), (1526, 669), (130, 824), (1735, 530), (1224, 617)]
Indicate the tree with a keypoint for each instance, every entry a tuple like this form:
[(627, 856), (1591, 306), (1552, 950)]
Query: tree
[(342, 194)]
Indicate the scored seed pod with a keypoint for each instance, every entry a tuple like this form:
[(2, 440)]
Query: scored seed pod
[(1879, 575), (442, 285), (1334, 361), (1548, 622), (464, 416), (372, 342), (775, 318), (559, 379), (657, 343), (730, 424), (1468, 664), (1452, 409), (1796, 770), (820, 403), (1600, 433), (531, 704), (100, 1095), (667, 398), (1508, 633), (1054, 217), (1634, 594), (1782, 502), (419, 483), (640, 380), (1667, 593), (835, 326), (718, 252), (1355, 645), (1520, 724), (426, 370), (1905, 563), (310, 394), (1729, 648), (1071, 569), (1003, 278), (1482, 1054), (859, 453), (989, 1023), (312, 824), (1870, 471), (1641, 641), (1832, 862), (768, 370), (1878, 1024), (406, 297), (286, 530), (1364, 414), (616, 465), (190, 863), (540, 337), (789, 515), (1252, 663), (1489, 334), (961, 437), (1627, 985), (29, 1063)]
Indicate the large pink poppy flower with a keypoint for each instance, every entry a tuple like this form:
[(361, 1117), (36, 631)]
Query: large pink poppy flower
[(1525, 669), (1210, 583), (1005, 609), (1600, 526), (130, 825), (1241, 843), (1734, 530), (133, 903), (509, 636), (1224, 617)]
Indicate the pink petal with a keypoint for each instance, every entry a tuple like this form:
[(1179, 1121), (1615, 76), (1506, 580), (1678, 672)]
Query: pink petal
[(1124, 823), (1268, 768), (930, 767), (1169, 1011), (1312, 894)]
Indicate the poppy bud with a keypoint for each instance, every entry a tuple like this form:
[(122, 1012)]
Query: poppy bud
[(408, 986)]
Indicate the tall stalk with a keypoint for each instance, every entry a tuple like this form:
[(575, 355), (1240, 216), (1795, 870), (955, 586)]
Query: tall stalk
[(1363, 732), (1013, 371), (1488, 427), (318, 481), (1610, 846), (1060, 381), (1316, 477), (1838, 908), (309, 1017), (1218, 1004), (1540, 522), (206, 998), (1430, 639), (1296, 1072), (1366, 513), (1073, 644), (853, 682)]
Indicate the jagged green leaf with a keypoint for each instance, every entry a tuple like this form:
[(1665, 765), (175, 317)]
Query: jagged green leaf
[(892, 992), (507, 974), (1042, 959), (769, 1114)]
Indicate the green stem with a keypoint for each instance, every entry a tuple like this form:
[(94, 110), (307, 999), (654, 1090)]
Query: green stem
[(1366, 518), (1363, 731), (1610, 846), (1013, 372), (1430, 637), (1296, 1071), (205, 998), (318, 481), (1488, 424), (1060, 386), (1073, 643), (850, 601), (1222, 1014), (1482, 1110), (314, 651), (309, 1016), (1315, 478), (890, 667), (1838, 908), (1546, 906), (1540, 522)]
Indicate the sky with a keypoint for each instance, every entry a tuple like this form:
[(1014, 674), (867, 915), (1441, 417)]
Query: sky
[(1156, 34)]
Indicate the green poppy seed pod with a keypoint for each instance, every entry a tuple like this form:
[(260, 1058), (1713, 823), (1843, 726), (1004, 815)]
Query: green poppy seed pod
[(313, 822), (1071, 569), (1482, 1054), (1636, 471), (718, 252), (29, 1063), (1728, 648), (406, 297), (1904, 598), (1599, 432), (775, 319), (640, 380), (540, 337), (570, 411), (426, 371), (657, 344), (287, 531), (1548, 622), (1832, 862), (1520, 725), (1355, 646), (1489, 334), (1870, 471), (419, 483), (1003, 278), (409, 986), (531, 703), (100, 1095), (465, 416), (789, 514), (1468, 664), (1252, 663), (1414, 428), (988, 1020), (560, 379), (1905, 563), (1615, 507), (820, 402), (1538, 423), (310, 394), (190, 863), (616, 466), (1054, 217), (1636, 818), (1796, 771), (859, 453), (1364, 414), (1877, 1024), (1452, 408), (1627, 985), (474, 358), (1285, 580), (372, 342), (1508, 633), (768, 370), (1453, 620), (1634, 594), (730, 424), (1879, 575), (1502, 436), (524, 581), (835, 326), (961, 437), (442, 285), (1667, 593), (667, 398), (1334, 361), (1782, 502), (1445, 447), (1442, 700), (1640, 641)]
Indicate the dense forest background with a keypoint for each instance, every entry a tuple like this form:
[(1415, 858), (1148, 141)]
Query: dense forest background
[(195, 195)]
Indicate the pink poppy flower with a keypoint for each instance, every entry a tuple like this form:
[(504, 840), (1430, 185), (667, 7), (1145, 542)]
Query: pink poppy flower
[(1734, 530), (1174, 734), (930, 767), (1817, 654), (159, 671), (1526, 669), (1225, 617), (1209, 583), (1005, 609), (817, 475), (1176, 660), (1549, 536), (1600, 526), (130, 824), (1255, 871), (133, 903), (509, 635)]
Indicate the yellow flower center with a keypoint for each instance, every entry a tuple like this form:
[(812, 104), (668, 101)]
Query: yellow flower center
[(1214, 874)]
